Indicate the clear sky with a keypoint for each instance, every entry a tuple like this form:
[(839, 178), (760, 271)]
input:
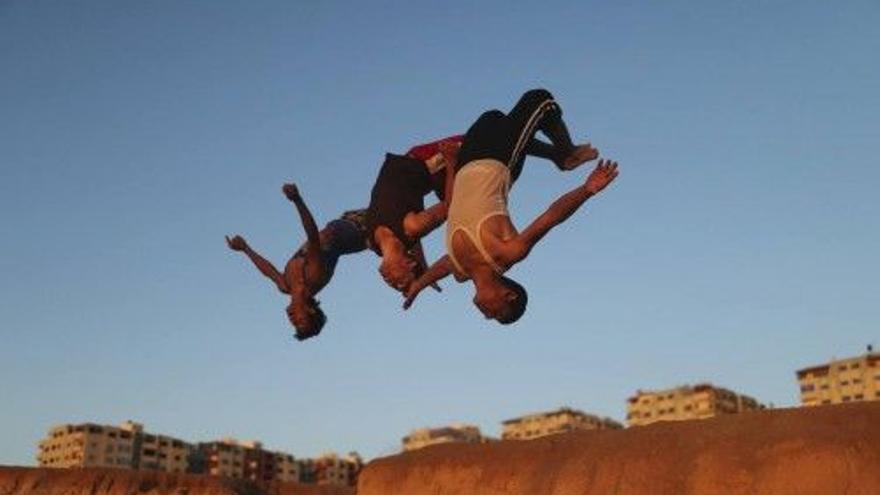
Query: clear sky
[(739, 243)]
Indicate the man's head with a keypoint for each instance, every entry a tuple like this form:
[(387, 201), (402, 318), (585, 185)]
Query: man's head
[(306, 316), (501, 299)]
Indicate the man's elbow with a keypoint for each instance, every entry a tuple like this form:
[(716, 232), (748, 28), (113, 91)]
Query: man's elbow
[(412, 226)]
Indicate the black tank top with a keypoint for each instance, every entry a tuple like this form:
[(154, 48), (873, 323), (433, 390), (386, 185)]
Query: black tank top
[(400, 188)]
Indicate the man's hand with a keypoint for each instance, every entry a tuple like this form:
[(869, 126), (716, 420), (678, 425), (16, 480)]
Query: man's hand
[(237, 243), (414, 289), (602, 175), (291, 191), (411, 294)]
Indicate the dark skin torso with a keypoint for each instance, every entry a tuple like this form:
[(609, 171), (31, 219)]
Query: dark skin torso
[(307, 272), (304, 274)]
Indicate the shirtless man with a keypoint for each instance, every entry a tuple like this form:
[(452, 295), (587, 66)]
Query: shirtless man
[(312, 266), (481, 241)]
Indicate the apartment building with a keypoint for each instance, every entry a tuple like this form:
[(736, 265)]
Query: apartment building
[(841, 380), (307, 473), (687, 402), (331, 469), (287, 468), (457, 433), (125, 446), (562, 420), (129, 446), (248, 460), (224, 457)]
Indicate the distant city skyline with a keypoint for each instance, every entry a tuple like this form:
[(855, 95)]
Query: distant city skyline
[(737, 246), (683, 397), (129, 446)]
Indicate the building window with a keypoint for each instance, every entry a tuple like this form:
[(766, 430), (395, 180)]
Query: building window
[(846, 398), (859, 396), (807, 388)]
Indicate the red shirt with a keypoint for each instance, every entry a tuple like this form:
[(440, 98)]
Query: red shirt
[(425, 151)]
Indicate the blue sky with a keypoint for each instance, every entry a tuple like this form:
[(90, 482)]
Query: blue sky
[(738, 245)]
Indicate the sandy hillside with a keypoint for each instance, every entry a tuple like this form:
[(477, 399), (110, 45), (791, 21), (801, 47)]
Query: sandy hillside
[(37, 481), (817, 451)]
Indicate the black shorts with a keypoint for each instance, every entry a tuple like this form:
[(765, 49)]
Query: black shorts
[(504, 137)]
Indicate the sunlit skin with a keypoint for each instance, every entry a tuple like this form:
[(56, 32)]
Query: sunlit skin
[(507, 247), (399, 268), (491, 298), (304, 276), (295, 281)]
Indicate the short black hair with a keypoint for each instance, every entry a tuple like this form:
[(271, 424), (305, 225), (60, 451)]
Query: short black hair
[(517, 307), (319, 319)]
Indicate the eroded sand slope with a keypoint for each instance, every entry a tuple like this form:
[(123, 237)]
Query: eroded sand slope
[(817, 451), (36, 481)]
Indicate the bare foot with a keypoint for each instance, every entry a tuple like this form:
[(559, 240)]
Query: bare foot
[(579, 155)]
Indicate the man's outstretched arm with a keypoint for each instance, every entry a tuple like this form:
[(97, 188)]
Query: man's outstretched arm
[(439, 270), (558, 212), (308, 221), (418, 253), (237, 243), (419, 224), (313, 251)]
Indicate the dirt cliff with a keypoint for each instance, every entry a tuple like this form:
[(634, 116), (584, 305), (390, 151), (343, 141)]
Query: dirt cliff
[(806, 451), (41, 481)]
